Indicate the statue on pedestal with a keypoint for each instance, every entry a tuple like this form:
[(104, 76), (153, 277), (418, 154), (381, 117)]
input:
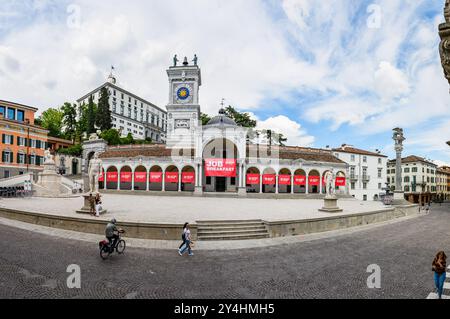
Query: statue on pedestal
[(48, 157), (329, 184), (195, 59), (175, 60), (94, 170)]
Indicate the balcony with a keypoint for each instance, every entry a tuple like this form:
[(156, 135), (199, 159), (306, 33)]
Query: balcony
[(365, 178), (353, 177)]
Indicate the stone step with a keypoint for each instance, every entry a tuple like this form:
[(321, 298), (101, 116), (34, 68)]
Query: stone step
[(232, 232), (237, 221), (224, 228), (233, 237)]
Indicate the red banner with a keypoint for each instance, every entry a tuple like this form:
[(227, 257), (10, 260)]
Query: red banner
[(171, 177), (188, 178), (269, 179), (112, 177), (101, 177), (155, 177), (340, 181), (300, 180), (125, 177), (140, 177), (253, 179), (314, 180), (220, 167), (284, 179)]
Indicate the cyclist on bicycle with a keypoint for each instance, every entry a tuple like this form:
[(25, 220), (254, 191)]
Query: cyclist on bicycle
[(112, 233)]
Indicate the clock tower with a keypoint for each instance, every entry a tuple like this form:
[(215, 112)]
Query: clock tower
[(183, 110)]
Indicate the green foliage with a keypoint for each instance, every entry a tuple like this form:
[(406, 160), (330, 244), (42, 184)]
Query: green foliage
[(128, 140), (103, 118), (91, 114), (69, 120), (52, 120), (111, 136), (241, 118), (75, 150), (205, 118)]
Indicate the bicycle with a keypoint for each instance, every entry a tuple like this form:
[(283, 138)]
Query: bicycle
[(106, 250)]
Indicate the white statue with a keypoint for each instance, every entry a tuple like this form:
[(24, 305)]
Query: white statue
[(48, 157), (94, 170), (329, 183)]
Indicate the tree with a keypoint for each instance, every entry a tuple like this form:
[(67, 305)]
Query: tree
[(241, 118), (103, 117), (91, 115), (111, 136), (129, 139), (205, 118), (69, 120), (52, 120), (74, 150)]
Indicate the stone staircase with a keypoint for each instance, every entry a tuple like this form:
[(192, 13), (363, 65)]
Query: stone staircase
[(231, 230)]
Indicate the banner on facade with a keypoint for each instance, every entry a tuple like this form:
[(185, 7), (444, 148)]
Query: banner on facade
[(155, 177), (112, 177), (188, 177), (171, 177), (340, 181), (300, 180), (252, 179), (284, 179), (220, 167), (314, 180), (140, 177), (269, 179), (125, 177)]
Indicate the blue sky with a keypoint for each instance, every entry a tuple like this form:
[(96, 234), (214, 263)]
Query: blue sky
[(322, 72)]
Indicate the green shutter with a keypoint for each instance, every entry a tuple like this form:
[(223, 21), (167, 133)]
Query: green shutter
[(11, 157), (3, 138), (3, 155)]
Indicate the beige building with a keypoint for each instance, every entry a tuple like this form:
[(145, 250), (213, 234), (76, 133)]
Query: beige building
[(443, 182), (418, 179)]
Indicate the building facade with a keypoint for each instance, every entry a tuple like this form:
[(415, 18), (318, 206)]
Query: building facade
[(367, 171), (130, 113), (216, 157), (419, 179), (443, 183), (22, 143)]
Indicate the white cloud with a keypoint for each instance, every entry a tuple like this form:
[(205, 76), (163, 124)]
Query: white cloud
[(390, 82), (294, 132)]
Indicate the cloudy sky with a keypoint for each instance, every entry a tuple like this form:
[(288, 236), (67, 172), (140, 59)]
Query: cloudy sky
[(322, 72)]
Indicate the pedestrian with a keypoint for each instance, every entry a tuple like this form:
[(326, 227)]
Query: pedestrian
[(98, 206), (183, 237), (187, 242), (439, 267), (91, 204), (427, 209)]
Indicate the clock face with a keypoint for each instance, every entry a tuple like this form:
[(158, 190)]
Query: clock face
[(183, 93)]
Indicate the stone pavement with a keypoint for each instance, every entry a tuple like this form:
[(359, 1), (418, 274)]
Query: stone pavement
[(199, 245), (178, 210)]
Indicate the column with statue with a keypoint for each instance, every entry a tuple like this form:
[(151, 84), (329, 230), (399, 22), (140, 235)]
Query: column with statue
[(399, 195)]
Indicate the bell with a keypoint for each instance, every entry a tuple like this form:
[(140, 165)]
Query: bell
[(185, 62)]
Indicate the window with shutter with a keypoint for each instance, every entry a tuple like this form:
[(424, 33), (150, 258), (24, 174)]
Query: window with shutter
[(3, 138), (11, 157)]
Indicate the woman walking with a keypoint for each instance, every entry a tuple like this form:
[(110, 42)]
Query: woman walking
[(187, 242), (183, 237), (439, 267)]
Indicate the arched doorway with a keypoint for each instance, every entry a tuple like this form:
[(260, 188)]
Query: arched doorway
[(126, 178), (112, 177), (220, 169), (253, 180), (171, 178), (269, 180), (74, 166), (188, 179), (101, 180), (140, 178), (313, 182), (300, 181), (155, 178), (284, 181)]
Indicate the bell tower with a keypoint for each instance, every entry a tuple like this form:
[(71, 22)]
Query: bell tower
[(183, 110)]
